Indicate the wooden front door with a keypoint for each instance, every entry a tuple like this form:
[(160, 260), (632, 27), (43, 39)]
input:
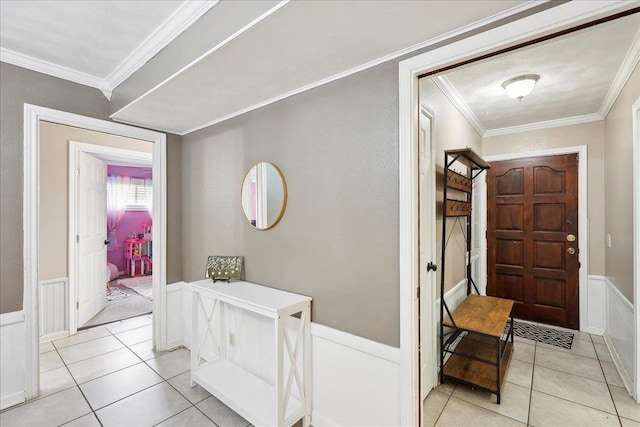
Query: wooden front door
[(532, 237)]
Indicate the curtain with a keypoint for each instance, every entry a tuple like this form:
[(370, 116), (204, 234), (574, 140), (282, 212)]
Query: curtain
[(148, 189), (117, 190)]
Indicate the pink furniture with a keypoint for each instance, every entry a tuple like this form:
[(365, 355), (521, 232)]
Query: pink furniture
[(137, 256)]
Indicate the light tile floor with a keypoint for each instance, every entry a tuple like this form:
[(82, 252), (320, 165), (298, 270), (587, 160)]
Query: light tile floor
[(109, 376), (544, 386)]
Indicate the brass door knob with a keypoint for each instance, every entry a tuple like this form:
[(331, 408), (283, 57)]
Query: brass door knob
[(571, 238), (572, 251)]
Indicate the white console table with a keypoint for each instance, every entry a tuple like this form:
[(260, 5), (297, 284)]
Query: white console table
[(260, 402)]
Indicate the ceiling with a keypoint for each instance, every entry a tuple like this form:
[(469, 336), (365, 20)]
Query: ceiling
[(581, 74), (96, 43), (293, 47), (179, 66)]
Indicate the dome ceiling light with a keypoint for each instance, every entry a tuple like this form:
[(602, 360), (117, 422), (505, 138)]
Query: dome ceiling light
[(521, 86)]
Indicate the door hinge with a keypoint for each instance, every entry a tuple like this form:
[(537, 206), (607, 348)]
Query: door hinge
[(78, 171), (418, 292), (77, 305), (77, 238)]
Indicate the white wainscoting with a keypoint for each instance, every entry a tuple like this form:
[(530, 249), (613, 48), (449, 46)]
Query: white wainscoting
[(619, 333), (356, 381), (174, 314), (185, 315), (596, 305), (12, 358), (453, 297), (53, 309)]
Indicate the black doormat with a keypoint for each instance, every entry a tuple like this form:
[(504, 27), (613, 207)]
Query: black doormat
[(543, 334)]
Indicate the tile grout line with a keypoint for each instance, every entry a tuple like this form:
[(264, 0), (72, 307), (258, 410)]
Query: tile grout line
[(93, 411), (165, 381), (444, 406), (533, 371), (483, 408), (79, 389), (578, 403), (615, 407)]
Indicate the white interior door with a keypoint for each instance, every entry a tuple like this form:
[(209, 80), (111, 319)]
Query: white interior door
[(428, 358), (91, 226)]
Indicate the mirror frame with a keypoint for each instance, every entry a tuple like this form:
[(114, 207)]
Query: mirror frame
[(284, 196)]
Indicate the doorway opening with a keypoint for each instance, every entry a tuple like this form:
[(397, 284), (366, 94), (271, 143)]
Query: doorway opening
[(124, 215), (34, 116), (410, 71)]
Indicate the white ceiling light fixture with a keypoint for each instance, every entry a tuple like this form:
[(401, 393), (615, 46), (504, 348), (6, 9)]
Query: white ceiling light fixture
[(521, 86)]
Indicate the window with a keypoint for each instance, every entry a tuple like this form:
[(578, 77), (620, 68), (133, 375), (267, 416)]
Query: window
[(137, 195)]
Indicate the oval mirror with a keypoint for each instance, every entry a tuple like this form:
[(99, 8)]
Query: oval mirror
[(264, 195)]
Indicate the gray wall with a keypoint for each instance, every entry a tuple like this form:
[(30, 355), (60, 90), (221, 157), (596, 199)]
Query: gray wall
[(174, 208), (618, 187), (337, 146), (19, 86)]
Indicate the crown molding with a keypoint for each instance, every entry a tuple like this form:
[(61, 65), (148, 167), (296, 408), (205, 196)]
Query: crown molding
[(181, 19), (547, 124), (624, 73), (46, 67), (443, 83)]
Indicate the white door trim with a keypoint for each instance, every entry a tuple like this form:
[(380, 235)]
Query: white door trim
[(583, 219), (563, 16), (75, 148), (33, 114), (635, 113)]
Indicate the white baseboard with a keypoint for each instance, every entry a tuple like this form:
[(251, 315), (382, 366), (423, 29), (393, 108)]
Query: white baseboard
[(12, 399), (54, 336), (174, 315), (619, 333), (12, 358)]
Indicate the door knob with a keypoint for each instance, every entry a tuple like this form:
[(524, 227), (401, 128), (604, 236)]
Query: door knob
[(572, 251), (431, 267)]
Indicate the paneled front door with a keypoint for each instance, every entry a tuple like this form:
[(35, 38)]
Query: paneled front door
[(532, 237)]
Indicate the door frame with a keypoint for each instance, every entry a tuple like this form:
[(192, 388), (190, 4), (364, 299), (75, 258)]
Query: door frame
[(75, 148), (583, 219), (549, 21), (33, 115), (635, 114)]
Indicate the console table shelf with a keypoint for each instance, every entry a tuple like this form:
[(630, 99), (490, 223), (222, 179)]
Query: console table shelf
[(252, 397)]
